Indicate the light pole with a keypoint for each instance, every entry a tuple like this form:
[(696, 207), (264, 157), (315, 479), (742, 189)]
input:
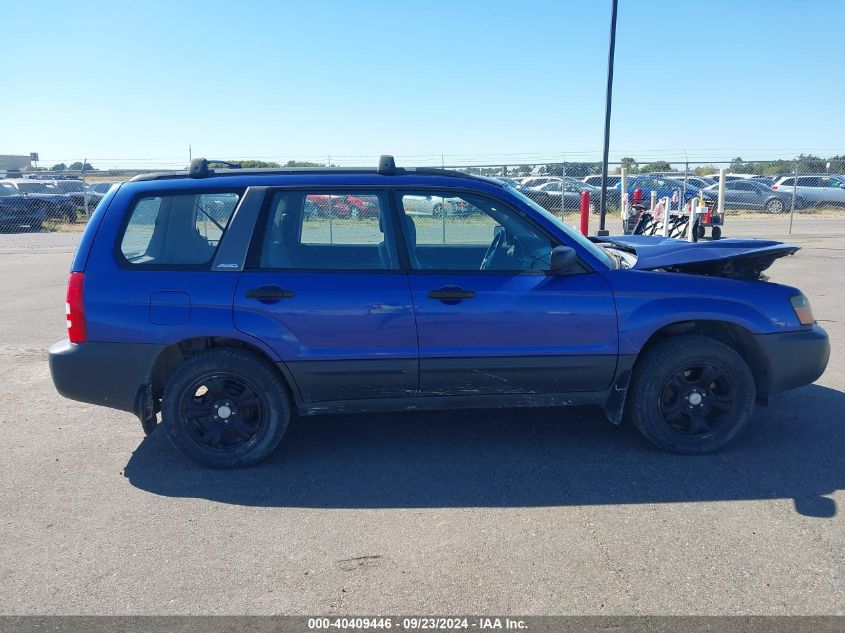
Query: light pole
[(608, 99)]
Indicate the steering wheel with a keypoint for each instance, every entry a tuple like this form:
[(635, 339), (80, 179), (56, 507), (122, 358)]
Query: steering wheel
[(491, 250)]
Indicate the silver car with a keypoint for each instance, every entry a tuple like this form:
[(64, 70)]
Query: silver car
[(815, 189)]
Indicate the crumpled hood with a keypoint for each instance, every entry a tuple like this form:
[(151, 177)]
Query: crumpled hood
[(665, 252)]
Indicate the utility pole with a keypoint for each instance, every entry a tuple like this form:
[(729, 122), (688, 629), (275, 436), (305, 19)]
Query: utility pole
[(609, 98)]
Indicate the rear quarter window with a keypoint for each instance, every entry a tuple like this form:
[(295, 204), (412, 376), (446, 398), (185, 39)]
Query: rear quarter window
[(176, 229)]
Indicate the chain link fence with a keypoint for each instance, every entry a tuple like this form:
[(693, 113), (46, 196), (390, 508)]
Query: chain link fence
[(44, 209), (49, 209), (762, 198)]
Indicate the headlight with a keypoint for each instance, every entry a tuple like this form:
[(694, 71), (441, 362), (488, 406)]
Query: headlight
[(802, 308)]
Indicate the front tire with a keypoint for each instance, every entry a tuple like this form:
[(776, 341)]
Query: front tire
[(225, 408), (691, 395)]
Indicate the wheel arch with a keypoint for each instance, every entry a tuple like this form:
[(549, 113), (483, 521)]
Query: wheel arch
[(172, 356), (735, 336)]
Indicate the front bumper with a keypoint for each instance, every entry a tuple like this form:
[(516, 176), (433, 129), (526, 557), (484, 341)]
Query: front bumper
[(106, 374), (794, 358)]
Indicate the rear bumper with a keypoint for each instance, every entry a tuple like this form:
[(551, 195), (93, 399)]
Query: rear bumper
[(795, 358), (107, 374)]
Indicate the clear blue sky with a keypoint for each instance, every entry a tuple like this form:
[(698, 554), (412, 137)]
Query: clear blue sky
[(121, 82)]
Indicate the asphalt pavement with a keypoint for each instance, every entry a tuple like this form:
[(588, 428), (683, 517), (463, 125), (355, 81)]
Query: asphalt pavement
[(506, 511)]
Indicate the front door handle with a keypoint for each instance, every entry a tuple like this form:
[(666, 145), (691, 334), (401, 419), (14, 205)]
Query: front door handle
[(451, 293), (269, 293)]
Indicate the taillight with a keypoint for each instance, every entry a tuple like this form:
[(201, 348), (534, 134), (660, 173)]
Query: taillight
[(75, 308), (775, 187)]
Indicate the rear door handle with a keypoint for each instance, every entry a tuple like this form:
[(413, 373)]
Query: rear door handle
[(451, 294), (269, 293)]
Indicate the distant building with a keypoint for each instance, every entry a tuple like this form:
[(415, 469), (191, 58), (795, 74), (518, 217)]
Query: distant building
[(9, 163)]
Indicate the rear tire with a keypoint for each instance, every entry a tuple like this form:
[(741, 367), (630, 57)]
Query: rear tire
[(225, 408), (716, 232), (691, 395), (775, 205)]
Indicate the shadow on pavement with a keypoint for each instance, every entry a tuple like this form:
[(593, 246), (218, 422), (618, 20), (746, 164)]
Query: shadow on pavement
[(795, 449)]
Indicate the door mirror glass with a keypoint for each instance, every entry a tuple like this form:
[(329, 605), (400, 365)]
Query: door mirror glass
[(564, 259)]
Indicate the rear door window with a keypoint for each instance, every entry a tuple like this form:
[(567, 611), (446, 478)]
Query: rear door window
[(331, 230), (177, 229)]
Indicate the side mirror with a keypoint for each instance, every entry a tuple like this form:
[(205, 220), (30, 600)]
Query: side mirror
[(563, 259)]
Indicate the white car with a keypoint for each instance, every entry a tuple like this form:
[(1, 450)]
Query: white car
[(532, 182), (435, 205), (815, 189)]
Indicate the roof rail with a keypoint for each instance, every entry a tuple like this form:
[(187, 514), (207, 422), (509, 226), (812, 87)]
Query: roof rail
[(229, 164), (199, 168)]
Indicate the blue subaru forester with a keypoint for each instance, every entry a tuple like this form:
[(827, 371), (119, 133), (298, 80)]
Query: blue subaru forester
[(227, 300)]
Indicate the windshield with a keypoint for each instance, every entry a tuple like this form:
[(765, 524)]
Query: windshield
[(595, 251), (8, 190)]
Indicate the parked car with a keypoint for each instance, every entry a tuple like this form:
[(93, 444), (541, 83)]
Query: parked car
[(766, 180), (696, 181), (730, 176), (78, 194), (345, 206), (54, 204), (19, 212), (436, 206), (226, 335), (815, 189), (665, 187), (576, 184), (753, 194), (535, 181), (549, 196), (699, 181), (99, 188), (595, 180)]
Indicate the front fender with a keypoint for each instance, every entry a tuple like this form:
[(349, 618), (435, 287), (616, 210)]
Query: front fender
[(640, 324), (647, 301)]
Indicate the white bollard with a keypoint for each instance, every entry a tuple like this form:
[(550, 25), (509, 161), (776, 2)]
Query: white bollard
[(667, 215), (720, 209), (623, 198), (693, 214)]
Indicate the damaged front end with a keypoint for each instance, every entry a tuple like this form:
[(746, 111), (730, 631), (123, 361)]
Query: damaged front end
[(744, 259)]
